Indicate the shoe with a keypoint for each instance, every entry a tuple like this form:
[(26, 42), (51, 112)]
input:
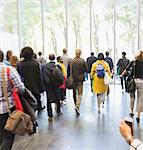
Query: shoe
[(50, 119), (99, 110), (138, 120), (131, 114), (77, 111), (103, 105), (122, 90), (41, 108)]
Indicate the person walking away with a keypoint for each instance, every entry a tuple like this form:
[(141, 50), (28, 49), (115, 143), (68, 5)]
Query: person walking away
[(131, 69), (97, 73), (52, 87), (29, 70), (41, 58), (7, 138), (8, 57), (90, 60), (121, 66), (79, 67), (62, 88)]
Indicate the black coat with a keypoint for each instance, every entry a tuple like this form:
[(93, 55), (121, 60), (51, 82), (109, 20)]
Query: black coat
[(29, 71), (90, 61), (52, 91)]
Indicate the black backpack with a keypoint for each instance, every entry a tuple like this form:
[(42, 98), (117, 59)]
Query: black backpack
[(56, 78)]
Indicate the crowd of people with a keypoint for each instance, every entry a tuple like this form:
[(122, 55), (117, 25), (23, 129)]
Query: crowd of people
[(54, 76)]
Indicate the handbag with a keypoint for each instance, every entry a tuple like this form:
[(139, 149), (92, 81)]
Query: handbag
[(70, 81), (131, 86), (18, 105), (107, 79), (18, 122)]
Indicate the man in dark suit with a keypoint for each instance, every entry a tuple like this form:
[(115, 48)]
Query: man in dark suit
[(29, 70), (90, 60)]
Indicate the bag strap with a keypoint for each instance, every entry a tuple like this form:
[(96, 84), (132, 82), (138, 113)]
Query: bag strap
[(4, 89), (70, 69)]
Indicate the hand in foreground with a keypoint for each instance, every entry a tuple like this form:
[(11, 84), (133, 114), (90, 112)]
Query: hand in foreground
[(125, 130)]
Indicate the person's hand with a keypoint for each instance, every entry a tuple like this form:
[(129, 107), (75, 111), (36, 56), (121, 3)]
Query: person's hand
[(120, 76), (125, 130)]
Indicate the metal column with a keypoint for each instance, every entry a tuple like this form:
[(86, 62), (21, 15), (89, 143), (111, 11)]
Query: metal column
[(90, 7), (66, 26), (138, 24)]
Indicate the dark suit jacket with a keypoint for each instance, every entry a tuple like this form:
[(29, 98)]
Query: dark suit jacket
[(29, 71)]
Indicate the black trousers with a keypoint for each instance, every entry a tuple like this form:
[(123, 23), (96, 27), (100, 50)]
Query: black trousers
[(6, 138), (124, 79), (49, 106), (38, 98)]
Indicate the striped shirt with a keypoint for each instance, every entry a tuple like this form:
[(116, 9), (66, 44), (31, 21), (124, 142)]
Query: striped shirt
[(14, 76)]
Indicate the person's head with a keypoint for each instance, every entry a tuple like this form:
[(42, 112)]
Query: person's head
[(64, 51), (107, 53), (34, 55), (100, 56), (77, 52), (40, 53), (14, 60), (92, 53), (139, 55), (1, 56), (27, 53), (51, 57), (123, 54), (9, 54), (59, 59)]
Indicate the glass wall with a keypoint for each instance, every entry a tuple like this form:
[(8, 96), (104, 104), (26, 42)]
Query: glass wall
[(54, 26), (102, 26), (79, 26), (141, 25), (8, 26), (126, 27), (51, 25), (30, 24)]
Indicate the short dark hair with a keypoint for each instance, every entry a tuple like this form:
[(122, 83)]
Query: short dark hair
[(124, 53), (64, 50), (100, 56), (1, 56), (27, 53), (51, 56), (59, 58), (40, 53), (92, 53), (8, 53), (107, 53)]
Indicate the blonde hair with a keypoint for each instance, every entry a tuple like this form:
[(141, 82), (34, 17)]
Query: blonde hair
[(139, 55), (78, 52)]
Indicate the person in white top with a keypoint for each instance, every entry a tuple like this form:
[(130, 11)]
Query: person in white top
[(125, 130)]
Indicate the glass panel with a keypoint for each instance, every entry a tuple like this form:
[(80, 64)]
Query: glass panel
[(102, 26), (126, 27), (54, 25), (79, 27), (141, 24), (8, 26), (30, 24)]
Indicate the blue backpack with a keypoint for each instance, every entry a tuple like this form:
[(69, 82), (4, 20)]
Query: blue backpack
[(100, 71)]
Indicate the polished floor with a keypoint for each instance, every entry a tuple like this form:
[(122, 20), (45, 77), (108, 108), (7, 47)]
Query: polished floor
[(89, 131)]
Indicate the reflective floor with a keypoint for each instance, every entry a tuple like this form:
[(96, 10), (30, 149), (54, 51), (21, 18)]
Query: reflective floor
[(89, 131)]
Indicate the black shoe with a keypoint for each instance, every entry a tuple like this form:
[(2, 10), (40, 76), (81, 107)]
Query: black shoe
[(131, 114), (41, 108), (77, 111), (138, 120)]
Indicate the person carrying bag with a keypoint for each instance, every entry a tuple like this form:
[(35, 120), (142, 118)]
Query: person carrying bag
[(18, 122)]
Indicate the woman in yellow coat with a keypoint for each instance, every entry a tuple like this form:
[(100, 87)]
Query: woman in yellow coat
[(99, 86)]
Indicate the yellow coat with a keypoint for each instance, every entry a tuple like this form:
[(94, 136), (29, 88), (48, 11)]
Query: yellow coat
[(98, 83), (64, 71)]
